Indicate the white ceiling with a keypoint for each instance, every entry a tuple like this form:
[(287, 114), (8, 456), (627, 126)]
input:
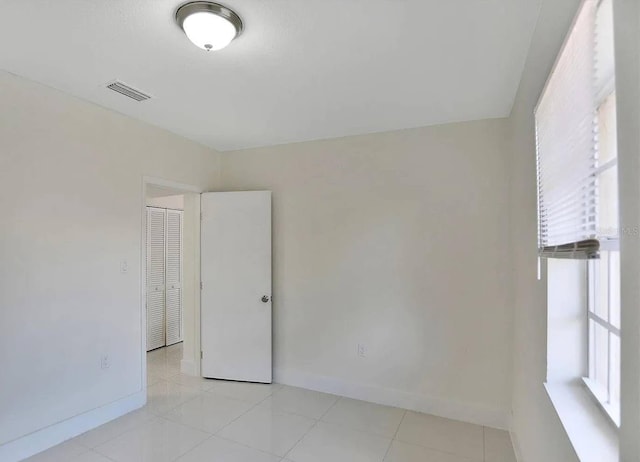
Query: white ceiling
[(301, 70)]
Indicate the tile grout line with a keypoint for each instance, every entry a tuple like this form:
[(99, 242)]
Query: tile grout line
[(441, 451), (153, 416), (216, 434), (394, 435), (338, 398), (196, 446), (286, 454), (212, 435), (244, 445), (159, 418), (102, 455), (111, 438), (244, 413), (173, 379), (156, 416), (162, 414), (315, 424), (438, 450)]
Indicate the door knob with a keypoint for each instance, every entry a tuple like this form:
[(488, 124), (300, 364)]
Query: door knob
[(265, 298)]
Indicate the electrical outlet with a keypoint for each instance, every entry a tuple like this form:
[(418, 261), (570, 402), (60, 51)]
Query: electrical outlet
[(362, 350), (105, 362), (124, 266)]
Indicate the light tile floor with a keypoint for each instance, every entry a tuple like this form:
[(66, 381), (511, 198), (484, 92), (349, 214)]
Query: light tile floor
[(190, 419)]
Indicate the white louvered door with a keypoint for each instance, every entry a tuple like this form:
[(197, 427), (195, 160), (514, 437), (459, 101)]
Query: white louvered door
[(156, 223), (173, 280)]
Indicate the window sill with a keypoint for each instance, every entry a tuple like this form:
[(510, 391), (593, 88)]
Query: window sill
[(600, 396), (591, 433)]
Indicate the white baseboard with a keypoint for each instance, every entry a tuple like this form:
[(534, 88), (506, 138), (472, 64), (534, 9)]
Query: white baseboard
[(43, 439), (450, 409), (188, 367)]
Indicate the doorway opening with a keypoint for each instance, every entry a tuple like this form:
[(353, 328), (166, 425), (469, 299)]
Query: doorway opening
[(170, 267), (210, 316)]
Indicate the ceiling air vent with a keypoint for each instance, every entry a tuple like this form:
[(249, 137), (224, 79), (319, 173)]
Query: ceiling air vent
[(128, 91)]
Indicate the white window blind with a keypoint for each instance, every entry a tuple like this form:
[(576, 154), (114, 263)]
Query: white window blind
[(604, 51), (566, 139)]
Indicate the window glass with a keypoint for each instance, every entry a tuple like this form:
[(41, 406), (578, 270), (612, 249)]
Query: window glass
[(614, 289), (614, 361), (592, 348), (601, 280), (602, 356)]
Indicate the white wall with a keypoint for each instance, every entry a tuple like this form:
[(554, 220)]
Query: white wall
[(71, 197), (397, 241), (539, 433), (190, 363), (175, 202)]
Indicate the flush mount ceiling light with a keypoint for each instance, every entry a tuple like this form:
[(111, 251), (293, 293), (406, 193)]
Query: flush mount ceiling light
[(208, 25)]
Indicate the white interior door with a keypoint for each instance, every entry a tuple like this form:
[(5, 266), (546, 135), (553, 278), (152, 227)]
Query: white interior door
[(236, 286), (156, 222), (173, 279)]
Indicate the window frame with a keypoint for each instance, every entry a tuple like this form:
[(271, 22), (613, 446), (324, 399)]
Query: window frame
[(609, 243), (602, 395)]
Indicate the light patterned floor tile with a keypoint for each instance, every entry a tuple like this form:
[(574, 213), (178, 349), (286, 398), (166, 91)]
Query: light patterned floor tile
[(164, 396), (192, 381), (268, 430), (366, 417), (90, 456), (327, 442), (262, 423), (405, 452), (115, 428), (156, 441), (208, 412), (303, 402), (244, 391), (220, 450), (450, 436)]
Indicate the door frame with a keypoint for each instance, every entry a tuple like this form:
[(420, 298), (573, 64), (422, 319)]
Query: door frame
[(177, 188)]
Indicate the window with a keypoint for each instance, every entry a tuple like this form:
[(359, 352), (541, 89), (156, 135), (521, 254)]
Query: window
[(577, 177), (604, 274), (604, 332)]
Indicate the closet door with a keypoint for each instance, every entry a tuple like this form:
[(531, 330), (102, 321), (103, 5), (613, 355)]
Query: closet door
[(174, 276), (156, 224)]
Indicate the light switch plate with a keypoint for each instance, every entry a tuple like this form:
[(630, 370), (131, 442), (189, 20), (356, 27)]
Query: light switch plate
[(362, 350)]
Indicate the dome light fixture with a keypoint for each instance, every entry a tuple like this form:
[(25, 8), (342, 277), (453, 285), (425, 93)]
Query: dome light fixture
[(208, 25)]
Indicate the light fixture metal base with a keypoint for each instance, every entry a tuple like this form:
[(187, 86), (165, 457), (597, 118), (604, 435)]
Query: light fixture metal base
[(190, 8)]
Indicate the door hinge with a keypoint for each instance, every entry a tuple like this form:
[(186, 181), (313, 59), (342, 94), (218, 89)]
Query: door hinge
[(201, 355), (201, 285)]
